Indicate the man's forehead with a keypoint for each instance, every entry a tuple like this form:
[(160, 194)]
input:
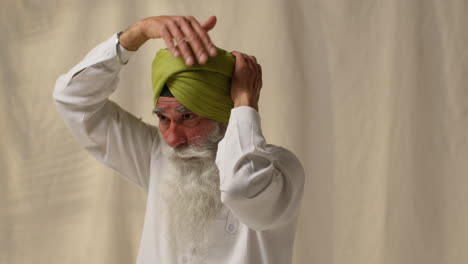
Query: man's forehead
[(165, 103), (165, 99)]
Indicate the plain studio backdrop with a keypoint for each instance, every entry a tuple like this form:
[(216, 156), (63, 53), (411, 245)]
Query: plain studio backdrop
[(371, 95)]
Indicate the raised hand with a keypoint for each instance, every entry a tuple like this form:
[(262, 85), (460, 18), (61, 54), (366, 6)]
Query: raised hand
[(191, 37), (246, 81)]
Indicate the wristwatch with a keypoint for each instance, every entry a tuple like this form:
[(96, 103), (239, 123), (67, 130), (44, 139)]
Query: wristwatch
[(117, 49)]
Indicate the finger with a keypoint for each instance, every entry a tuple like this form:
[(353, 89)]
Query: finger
[(209, 23), (168, 40), (254, 59), (203, 36), (181, 43), (249, 61), (239, 58), (254, 63), (259, 72), (260, 75), (194, 39), (244, 57)]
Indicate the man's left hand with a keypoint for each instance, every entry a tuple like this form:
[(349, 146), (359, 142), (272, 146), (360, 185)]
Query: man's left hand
[(246, 81)]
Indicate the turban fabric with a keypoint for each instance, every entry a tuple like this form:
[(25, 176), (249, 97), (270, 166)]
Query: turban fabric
[(202, 88)]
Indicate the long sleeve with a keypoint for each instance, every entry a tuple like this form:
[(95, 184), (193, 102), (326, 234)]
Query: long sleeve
[(260, 183), (112, 135)]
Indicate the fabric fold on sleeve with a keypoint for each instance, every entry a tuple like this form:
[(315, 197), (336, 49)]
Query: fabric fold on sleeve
[(112, 135), (262, 184)]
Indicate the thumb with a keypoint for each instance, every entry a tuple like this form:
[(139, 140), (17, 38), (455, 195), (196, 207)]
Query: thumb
[(209, 23)]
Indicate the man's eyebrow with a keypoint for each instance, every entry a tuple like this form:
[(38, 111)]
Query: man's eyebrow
[(182, 109), (158, 111)]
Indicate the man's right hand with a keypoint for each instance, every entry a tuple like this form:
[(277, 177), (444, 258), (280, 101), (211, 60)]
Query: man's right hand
[(184, 30)]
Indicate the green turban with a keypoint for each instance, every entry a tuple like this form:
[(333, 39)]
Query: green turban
[(202, 88)]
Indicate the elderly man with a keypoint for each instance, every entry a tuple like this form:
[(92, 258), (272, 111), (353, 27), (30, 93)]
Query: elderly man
[(217, 193)]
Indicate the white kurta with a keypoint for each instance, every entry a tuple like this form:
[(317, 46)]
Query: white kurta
[(261, 185)]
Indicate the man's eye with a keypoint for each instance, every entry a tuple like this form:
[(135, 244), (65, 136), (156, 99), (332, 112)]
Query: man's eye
[(161, 117), (187, 116)]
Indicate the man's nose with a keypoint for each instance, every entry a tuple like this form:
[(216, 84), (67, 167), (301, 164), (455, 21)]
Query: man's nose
[(175, 135)]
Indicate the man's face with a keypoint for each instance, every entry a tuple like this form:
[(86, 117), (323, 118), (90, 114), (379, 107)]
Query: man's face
[(180, 126), (190, 187)]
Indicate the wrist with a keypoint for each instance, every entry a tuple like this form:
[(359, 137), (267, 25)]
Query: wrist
[(245, 102), (133, 37)]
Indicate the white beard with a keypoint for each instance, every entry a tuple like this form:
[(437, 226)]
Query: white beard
[(190, 190)]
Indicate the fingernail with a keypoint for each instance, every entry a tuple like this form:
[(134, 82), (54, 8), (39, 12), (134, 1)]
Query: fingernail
[(176, 53), (188, 61), (203, 58), (213, 51)]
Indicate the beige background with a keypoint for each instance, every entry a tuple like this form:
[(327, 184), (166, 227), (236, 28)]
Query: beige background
[(371, 95)]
